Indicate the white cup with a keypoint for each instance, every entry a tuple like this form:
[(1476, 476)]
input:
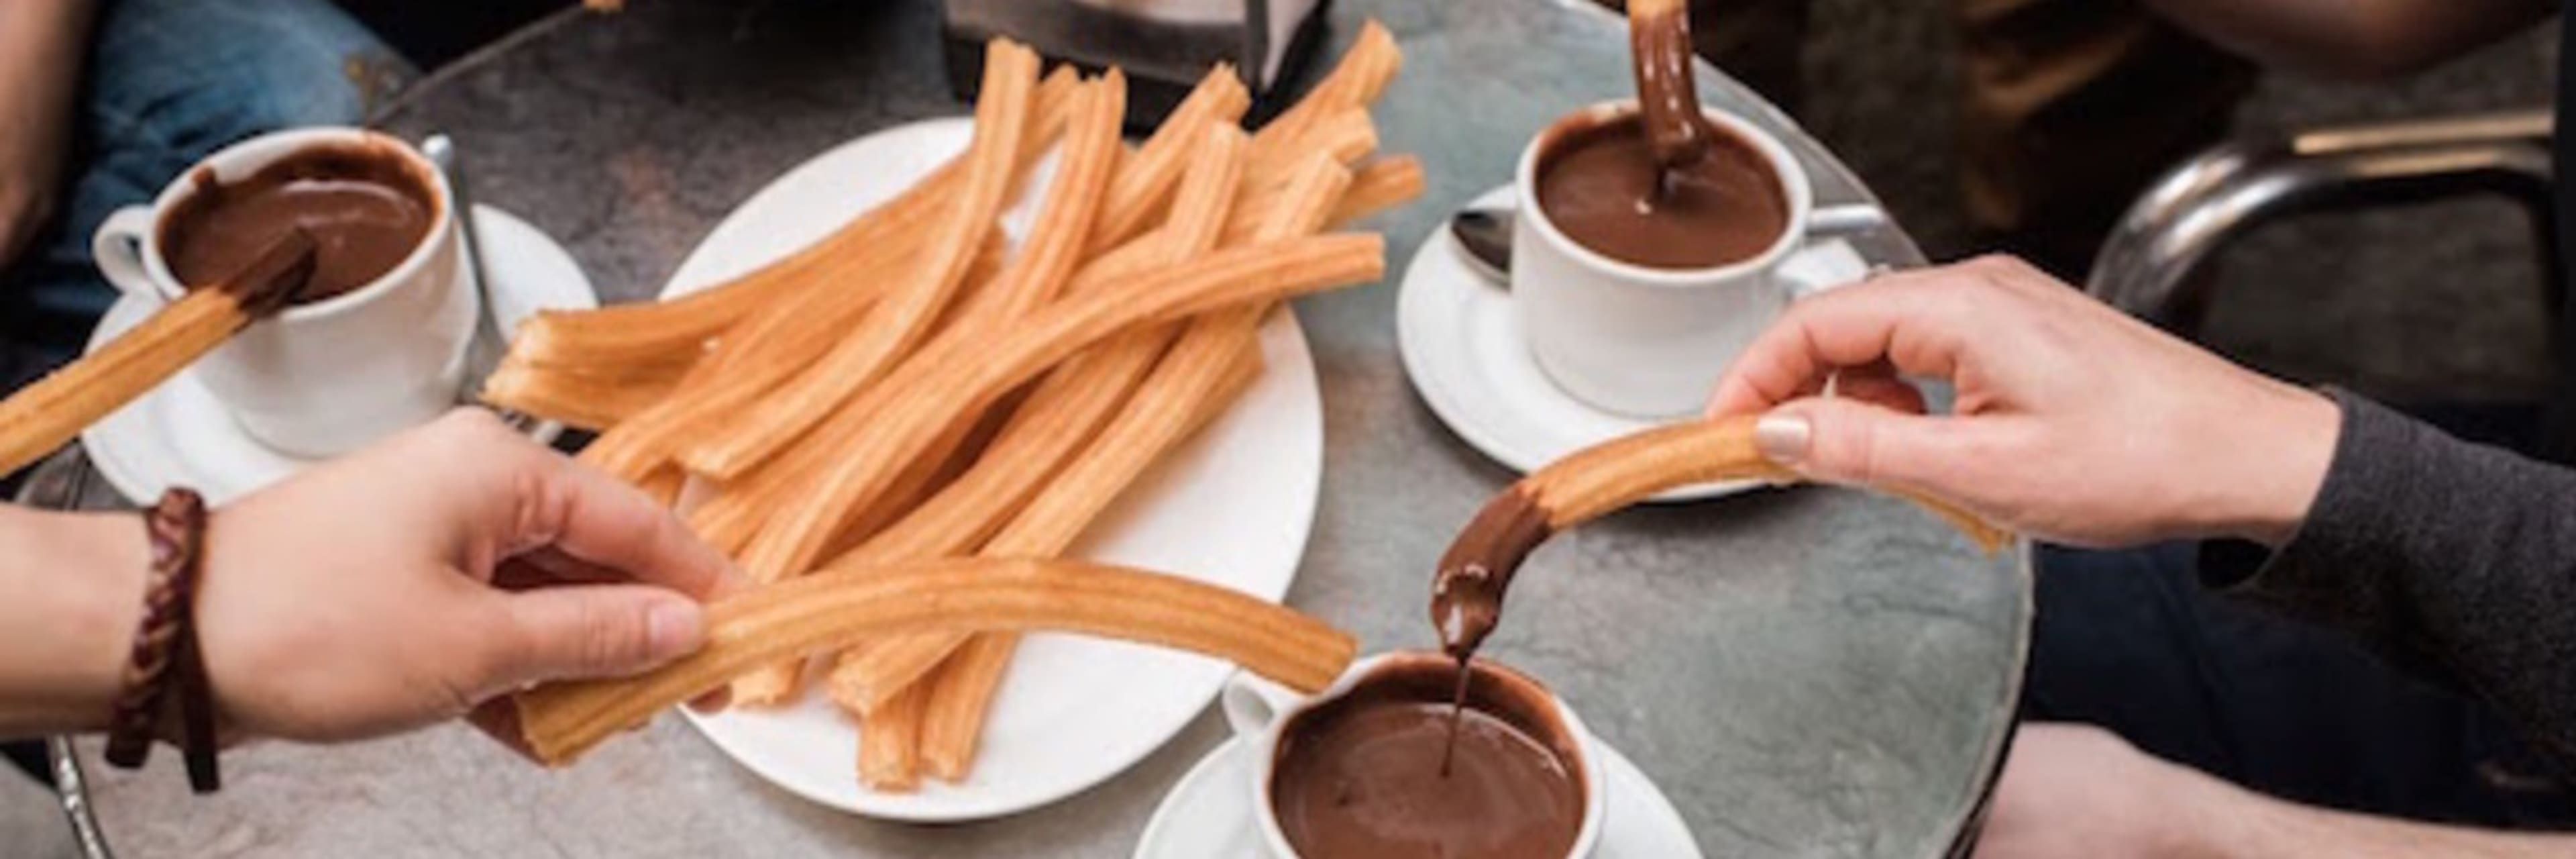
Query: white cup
[(1640, 341), (328, 377), (1259, 710)]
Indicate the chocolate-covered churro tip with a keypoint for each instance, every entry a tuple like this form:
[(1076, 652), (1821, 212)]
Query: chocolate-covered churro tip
[(1467, 591), (1659, 45), (276, 278)]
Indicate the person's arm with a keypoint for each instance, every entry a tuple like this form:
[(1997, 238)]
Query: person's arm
[(2440, 552), (2080, 425), (42, 45), (76, 594), (2079, 791), (2352, 38), (410, 583)]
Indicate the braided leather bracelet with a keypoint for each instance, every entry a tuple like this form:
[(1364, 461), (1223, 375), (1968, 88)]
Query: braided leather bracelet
[(165, 649)]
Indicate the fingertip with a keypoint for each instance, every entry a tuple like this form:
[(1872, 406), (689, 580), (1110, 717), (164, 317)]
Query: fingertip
[(674, 628)]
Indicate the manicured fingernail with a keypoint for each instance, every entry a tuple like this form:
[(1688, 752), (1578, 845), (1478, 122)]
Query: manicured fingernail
[(676, 628), (1783, 438)]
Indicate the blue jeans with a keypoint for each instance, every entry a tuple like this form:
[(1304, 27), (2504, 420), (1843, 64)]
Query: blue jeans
[(169, 82), (2130, 641)]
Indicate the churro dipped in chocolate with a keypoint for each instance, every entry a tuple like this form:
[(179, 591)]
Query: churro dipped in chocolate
[(1659, 46), (45, 415), (1467, 592)]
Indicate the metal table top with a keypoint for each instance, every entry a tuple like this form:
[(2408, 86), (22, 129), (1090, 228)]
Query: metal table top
[(1808, 672)]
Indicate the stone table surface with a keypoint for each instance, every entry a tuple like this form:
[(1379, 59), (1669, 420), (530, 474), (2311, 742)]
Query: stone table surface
[(1807, 672)]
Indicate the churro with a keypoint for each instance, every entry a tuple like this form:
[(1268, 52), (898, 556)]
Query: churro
[(1154, 421), (1478, 567), (1380, 185), (890, 744), (900, 321), (1148, 174), (767, 349), (844, 266), (52, 411), (833, 609), (1056, 242), (961, 689), (1202, 205), (956, 374)]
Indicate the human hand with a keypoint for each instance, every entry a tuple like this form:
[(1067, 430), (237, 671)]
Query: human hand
[(2073, 423), (40, 49), (393, 588), (2078, 790)]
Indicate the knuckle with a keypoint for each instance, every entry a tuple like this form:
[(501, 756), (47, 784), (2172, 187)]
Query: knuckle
[(610, 638)]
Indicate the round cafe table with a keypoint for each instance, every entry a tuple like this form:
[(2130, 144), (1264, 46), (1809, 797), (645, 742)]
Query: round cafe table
[(1808, 672)]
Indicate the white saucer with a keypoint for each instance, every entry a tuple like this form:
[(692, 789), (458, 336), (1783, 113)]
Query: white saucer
[(1209, 814), (179, 434), (1464, 352), (1232, 507)]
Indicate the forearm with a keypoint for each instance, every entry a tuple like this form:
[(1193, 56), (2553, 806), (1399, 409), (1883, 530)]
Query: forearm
[(74, 586), (2447, 555), (2239, 824), (2352, 38), (42, 47)]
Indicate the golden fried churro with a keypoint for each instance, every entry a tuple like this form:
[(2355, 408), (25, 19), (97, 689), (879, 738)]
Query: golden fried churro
[(834, 609), (1162, 413), (1066, 406), (582, 400), (1346, 135), (962, 688), (956, 374), (45, 415), (1148, 174), (1063, 229), (1478, 567), (1356, 81), (1380, 185), (890, 744), (843, 265), (765, 349), (1206, 195), (904, 318), (863, 679)]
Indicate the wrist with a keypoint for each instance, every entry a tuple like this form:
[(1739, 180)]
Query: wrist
[(2285, 445), (74, 608)]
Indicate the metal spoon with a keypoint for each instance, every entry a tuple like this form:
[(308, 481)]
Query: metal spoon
[(1485, 234), (484, 354)]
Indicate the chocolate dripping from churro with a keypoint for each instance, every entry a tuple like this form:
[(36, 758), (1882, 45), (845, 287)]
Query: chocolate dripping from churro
[(1467, 592)]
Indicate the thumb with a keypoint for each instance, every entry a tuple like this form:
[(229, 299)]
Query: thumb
[(587, 631), (1835, 440)]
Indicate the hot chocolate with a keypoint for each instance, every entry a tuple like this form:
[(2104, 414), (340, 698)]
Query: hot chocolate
[(1364, 776), (366, 208), (1606, 189)]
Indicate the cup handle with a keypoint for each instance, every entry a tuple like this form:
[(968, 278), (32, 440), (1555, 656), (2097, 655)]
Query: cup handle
[(1253, 704), (1846, 219), (118, 249)]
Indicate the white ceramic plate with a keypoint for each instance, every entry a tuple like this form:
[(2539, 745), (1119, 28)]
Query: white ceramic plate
[(180, 435), (1208, 815), (1231, 508), (1463, 350)]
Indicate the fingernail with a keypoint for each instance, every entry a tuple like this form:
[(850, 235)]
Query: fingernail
[(676, 628), (1783, 438)]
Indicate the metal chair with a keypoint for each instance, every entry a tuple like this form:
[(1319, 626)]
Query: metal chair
[(2147, 266)]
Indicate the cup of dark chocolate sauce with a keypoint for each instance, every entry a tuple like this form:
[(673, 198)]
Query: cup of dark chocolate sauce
[(1637, 283), (1366, 768), (375, 343)]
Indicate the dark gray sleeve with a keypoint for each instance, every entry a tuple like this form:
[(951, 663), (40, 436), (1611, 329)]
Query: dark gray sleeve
[(2448, 556)]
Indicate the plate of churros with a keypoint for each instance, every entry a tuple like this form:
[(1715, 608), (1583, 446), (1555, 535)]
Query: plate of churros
[(1015, 336)]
